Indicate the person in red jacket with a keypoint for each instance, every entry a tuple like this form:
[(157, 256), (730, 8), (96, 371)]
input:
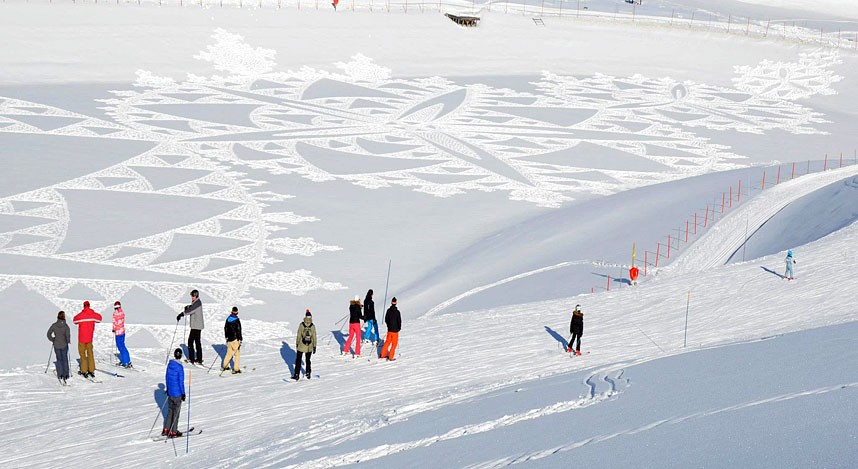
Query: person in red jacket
[(85, 321), (633, 275)]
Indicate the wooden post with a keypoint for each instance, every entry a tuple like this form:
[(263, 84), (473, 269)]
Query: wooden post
[(723, 200), (695, 223), (691, 23), (739, 194), (767, 28), (646, 260), (729, 20), (825, 164), (841, 159), (763, 184), (779, 176), (731, 196)]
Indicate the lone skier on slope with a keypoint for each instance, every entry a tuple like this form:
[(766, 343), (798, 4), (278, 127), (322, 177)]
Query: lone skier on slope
[(789, 263), (119, 334), (60, 335), (354, 326), (393, 320), (371, 334), (195, 312), (85, 321), (305, 343), (232, 332), (633, 275), (576, 328), (175, 382)]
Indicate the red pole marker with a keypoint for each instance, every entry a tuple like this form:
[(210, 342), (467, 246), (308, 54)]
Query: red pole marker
[(706, 219), (731, 196), (825, 164), (657, 251), (695, 222), (792, 176), (646, 261), (668, 246), (779, 176), (763, 185), (609, 283), (686, 231)]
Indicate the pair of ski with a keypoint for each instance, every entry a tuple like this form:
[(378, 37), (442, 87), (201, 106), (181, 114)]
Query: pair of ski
[(186, 434), (224, 374), (290, 380)]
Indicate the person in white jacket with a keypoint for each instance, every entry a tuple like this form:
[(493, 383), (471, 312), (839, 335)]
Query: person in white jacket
[(790, 261)]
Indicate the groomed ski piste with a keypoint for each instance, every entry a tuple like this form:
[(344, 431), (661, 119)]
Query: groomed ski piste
[(256, 163)]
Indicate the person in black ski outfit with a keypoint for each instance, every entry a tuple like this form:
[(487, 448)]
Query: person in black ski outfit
[(371, 334), (576, 328)]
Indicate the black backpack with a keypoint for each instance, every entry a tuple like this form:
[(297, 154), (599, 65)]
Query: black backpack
[(308, 335)]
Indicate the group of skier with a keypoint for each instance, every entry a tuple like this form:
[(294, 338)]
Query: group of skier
[(366, 313), (60, 335)]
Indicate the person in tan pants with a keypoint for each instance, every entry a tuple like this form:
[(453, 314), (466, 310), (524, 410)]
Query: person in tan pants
[(232, 331)]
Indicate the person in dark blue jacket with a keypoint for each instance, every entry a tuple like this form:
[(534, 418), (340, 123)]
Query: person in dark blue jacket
[(175, 382)]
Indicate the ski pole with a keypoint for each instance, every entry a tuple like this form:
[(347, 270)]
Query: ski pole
[(210, 366), (161, 413), (49, 359), (387, 284), (171, 343), (188, 437), (341, 320)]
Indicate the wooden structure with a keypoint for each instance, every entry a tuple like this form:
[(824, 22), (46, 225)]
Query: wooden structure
[(463, 20)]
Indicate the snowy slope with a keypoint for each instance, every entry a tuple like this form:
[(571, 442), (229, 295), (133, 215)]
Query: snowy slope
[(279, 159)]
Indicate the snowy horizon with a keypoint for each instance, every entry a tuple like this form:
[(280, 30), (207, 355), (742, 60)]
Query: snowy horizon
[(490, 178)]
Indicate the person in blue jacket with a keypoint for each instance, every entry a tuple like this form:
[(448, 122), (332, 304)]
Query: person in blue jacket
[(175, 382)]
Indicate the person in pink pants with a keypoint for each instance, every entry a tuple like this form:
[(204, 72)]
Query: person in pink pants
[(355, 318)]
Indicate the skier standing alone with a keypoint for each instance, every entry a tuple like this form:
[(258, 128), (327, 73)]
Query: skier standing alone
[(119, 334), (175, 382), (195, 312), (789, 263), (60, 334), (232, 331), (371, 334), (393, 320), (354, 326), (305, 344), (85, 321), (576, 328)]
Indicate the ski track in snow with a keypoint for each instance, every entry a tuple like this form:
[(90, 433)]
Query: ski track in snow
[(524, 458)]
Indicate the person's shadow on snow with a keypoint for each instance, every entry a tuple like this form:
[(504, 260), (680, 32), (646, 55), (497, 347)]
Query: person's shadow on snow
[(161, 399), (771, 271), (340, 338), (220, 350), (289, 356), (557, 336)]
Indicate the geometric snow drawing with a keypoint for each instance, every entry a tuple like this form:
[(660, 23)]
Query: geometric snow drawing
[(156, 194), (437, 137)]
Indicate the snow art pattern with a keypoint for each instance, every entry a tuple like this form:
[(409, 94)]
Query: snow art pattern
[(184, 149)]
